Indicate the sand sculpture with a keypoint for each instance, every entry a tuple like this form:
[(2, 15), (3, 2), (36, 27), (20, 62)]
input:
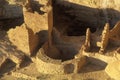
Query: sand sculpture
[(105, 38), (48, 58)]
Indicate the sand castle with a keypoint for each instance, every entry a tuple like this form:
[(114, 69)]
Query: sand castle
[(54, 52)]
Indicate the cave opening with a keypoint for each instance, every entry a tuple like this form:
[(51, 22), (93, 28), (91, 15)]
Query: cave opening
[(68, 23)]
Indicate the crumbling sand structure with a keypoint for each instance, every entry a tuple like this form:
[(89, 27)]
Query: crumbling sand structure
[(62, 38)]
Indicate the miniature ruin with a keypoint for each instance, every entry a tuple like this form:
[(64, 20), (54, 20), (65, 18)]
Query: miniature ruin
[(59, 37)]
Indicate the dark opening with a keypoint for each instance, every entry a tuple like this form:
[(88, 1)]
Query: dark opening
[(78, 28), (67, 23)]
